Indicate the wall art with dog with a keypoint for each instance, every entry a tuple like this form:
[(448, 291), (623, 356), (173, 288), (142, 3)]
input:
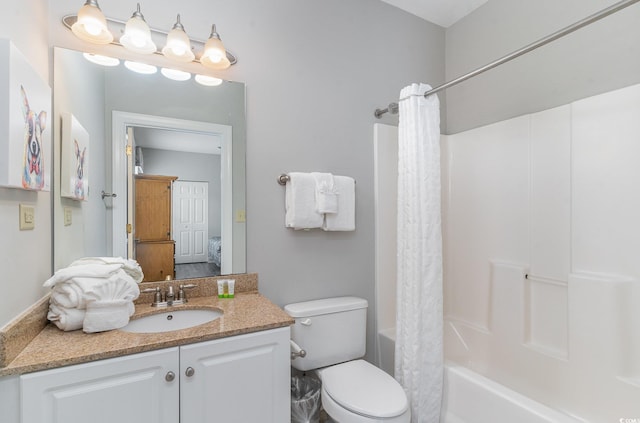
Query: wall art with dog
[(74, 174), (25, 123)]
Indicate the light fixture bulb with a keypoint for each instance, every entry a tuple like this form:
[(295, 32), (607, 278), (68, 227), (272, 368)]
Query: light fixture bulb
[(214, 55), (137, 35), (175, 74), (91, 25), (178, 45), (207, 80), (99, 59), (142, 68)]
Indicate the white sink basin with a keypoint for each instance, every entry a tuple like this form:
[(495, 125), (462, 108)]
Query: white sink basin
[(171, 320)]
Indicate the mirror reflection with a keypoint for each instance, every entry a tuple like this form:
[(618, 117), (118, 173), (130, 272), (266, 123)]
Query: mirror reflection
[(191, 134)]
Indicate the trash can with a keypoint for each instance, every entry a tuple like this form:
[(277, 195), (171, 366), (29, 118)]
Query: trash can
[(305, 399)]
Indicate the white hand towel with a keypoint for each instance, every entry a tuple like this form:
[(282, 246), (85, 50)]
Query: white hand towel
[(345, 219), (66, 319), (326, 197), (300, 202), (90, 271), (106, 315)]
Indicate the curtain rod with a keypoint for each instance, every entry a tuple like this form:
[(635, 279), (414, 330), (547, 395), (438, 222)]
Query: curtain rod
[(393, 107)]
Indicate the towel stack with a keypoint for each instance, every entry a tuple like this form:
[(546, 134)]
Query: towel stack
[(320, 200), (94, 294)]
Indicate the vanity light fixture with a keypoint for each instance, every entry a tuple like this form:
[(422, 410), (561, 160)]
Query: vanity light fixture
[(137, 35), (98, 59), (175, 74), (215, 55), (91, 25), (178, 45), (208, 81), (142, 68)]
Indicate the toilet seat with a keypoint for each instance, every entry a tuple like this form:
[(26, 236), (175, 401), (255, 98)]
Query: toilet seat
[(357, 391)]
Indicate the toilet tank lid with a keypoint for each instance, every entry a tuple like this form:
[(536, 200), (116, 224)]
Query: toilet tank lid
[(325, 306)]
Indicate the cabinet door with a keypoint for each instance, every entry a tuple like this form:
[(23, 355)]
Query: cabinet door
[(156, 259), (153, 209), (130, 389), (243, 379)]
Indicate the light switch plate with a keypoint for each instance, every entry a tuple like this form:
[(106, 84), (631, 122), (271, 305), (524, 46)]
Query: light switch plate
[(68, 216), (27, 217)]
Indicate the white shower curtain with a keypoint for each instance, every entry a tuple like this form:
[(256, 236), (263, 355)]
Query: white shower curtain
[(418, 353)]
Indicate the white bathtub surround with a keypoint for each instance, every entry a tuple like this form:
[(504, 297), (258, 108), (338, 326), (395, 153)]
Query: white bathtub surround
[(542, 270), (418, 355)]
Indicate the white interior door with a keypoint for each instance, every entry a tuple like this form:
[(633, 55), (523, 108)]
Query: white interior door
[(190, 215)]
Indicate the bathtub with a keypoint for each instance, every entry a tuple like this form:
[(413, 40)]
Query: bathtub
[(469, 397)]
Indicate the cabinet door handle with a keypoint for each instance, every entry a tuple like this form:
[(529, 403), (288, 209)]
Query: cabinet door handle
[(170, 376), (189, 372)]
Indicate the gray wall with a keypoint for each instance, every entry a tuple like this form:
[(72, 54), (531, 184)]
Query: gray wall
[(600, 58), (315, 72), (190, 167)]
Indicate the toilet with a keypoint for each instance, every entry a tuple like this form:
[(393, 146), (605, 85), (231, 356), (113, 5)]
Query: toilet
[(332, 332)]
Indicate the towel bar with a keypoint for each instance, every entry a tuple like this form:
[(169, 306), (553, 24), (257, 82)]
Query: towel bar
[(284, 178)]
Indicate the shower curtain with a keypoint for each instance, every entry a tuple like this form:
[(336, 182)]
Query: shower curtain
[(418, 351)]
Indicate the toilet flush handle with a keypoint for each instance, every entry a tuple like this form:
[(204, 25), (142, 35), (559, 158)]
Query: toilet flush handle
[(305, 322)]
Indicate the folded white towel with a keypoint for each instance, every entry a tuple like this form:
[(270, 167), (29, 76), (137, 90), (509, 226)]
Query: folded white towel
[(345, 219), (130, 266), (326, 197), (66, 319), (300, 202), (106, 315)]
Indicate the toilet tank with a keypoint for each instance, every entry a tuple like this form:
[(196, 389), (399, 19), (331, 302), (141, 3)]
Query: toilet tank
[(331, 330)]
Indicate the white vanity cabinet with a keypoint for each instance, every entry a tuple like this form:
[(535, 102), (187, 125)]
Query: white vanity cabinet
[(242, 379), (129, 389)]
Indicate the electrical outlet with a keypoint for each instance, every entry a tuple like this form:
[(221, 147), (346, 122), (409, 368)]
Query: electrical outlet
[(27, 217), (68, 216), (241, 216)]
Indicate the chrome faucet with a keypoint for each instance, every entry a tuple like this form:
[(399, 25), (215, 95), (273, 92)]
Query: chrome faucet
[(169, 296)]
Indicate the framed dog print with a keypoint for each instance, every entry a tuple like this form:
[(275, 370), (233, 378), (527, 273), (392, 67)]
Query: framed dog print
[(25, 123), (74, 173)]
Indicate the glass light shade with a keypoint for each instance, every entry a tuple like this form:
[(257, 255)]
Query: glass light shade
[(140, 67), (175, 74), (214, 55), (137, 35), (91, 24), (101, 60), (178, 44), (208, 81)]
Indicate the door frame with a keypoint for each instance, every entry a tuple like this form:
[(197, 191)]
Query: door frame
[(119, 124)]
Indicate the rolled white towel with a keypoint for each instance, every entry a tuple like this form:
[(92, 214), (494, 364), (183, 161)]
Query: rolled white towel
[(84, 272), (66, 319), (68, 295), (101, 316), (130, 266)]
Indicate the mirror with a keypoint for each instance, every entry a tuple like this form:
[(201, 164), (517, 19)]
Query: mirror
[(170, 122)]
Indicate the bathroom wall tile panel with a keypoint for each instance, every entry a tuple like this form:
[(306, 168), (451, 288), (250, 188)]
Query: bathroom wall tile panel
[(489, 215), (605, 183), (551, 192), (547, 319)]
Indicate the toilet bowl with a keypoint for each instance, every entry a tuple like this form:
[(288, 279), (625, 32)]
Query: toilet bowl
[(359, 392), (332, 332)]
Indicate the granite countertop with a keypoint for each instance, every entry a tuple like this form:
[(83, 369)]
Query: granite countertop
[(51, 347)]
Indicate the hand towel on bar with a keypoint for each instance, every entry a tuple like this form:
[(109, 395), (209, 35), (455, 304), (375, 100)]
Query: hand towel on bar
[(345, 219), (300, 202), (64, 318), (106, 315), (326, 197), (130, 266)]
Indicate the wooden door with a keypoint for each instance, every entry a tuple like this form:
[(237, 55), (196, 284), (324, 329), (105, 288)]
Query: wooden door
[(153, 208)]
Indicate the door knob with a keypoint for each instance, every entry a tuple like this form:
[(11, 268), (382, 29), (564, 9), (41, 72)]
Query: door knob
[(189, 372)]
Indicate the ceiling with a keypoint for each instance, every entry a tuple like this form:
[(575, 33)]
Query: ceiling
[(441, 12), (189, 142)]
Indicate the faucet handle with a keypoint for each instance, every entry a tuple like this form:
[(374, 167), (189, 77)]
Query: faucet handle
[(182, 296)]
